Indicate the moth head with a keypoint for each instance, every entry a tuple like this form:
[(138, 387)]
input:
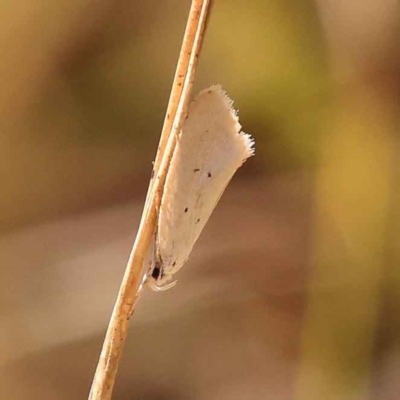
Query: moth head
[(160, 281)]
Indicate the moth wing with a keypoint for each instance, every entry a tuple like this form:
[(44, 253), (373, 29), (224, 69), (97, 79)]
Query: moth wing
[(209, 150)]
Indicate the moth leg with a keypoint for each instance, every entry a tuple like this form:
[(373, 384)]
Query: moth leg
[(159, 286)]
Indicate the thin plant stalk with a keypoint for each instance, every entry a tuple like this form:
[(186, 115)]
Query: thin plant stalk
[(184, 76), (106, 371)]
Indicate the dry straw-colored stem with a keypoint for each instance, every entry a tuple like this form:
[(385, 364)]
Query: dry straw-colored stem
[(104, 378)]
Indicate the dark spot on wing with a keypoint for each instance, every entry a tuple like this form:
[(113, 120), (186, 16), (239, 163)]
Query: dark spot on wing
[(174, 263), (196, 170), (209, 175), (198, 220), (186, 209)]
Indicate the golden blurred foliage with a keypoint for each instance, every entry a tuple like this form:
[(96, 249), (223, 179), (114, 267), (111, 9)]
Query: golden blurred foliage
[(293, 290)]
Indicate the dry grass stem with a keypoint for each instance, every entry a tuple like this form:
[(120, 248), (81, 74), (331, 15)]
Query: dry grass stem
[(104, 378)]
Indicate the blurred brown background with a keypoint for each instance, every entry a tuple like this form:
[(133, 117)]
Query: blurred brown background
[(293, 290)]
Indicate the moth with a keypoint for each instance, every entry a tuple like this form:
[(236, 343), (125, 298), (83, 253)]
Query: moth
[(209, 150)]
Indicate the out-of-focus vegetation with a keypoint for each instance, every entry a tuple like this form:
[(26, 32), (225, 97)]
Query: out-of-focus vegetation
[(85, 87), (313, 229)]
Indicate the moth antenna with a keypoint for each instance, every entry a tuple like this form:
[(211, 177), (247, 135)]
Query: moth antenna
[(160, 287)]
